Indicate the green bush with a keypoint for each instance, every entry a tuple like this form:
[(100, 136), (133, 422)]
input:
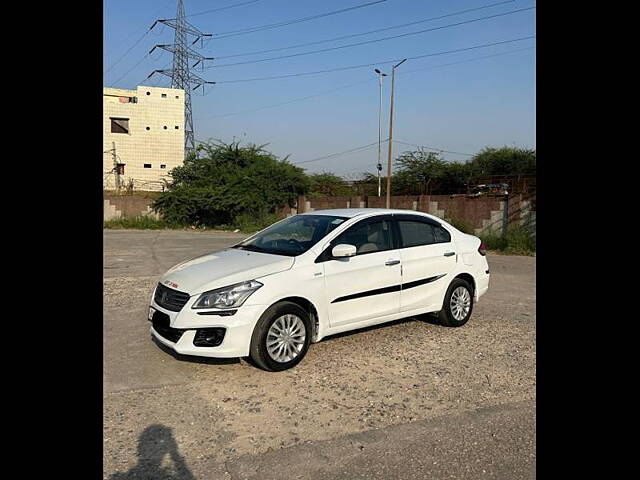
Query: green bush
[(225, 181)]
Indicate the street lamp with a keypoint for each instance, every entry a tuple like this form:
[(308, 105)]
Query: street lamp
[(393, 81), (379, 165)]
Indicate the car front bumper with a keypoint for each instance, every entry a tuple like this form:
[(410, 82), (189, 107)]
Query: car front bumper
[(238, 330)]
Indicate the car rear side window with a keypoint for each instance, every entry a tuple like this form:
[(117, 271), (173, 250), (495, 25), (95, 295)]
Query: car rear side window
[(416, 233), (442, 236)]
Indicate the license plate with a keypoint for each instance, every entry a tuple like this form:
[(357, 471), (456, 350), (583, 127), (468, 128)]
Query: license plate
[(151, 312)]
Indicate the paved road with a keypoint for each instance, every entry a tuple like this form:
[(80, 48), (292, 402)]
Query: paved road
[(384, 402)]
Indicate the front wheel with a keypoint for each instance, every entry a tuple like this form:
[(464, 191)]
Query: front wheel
[(281, 337), (457, 305)]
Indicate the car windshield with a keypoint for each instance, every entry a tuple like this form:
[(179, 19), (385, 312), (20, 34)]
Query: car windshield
[(292, 236)]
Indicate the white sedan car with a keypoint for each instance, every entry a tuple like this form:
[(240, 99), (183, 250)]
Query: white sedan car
[(313, 275)]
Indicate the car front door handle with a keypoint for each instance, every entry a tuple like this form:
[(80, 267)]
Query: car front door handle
[(449, 254), (392, 262)]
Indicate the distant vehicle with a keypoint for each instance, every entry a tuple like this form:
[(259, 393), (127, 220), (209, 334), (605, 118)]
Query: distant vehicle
[(313, 275), (490, 189)]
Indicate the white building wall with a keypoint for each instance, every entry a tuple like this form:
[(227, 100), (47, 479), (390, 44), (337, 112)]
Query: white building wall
[(156, 135)]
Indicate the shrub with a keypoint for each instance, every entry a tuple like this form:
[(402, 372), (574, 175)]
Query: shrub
[(227, 181)]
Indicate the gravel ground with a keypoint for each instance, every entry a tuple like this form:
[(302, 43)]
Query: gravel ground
[(216, 411)]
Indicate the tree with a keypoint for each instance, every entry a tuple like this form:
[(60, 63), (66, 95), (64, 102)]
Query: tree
[(418, 167), (504, 161), (328, 184), (221, 181)]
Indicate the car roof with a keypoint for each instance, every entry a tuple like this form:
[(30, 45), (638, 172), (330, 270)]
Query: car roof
[(355, 212)]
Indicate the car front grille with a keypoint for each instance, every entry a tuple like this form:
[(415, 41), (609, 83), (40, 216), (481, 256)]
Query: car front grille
[(160, 322), (170, 299)]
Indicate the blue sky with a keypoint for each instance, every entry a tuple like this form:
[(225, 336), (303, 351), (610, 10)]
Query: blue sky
[(463, 107)]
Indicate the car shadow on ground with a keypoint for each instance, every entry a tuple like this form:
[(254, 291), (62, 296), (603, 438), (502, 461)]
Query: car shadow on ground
[(430, 318), (426, 318), (154, 444), (193, 358)]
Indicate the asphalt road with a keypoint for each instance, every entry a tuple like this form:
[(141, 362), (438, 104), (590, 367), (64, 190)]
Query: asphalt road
[(410, 399)]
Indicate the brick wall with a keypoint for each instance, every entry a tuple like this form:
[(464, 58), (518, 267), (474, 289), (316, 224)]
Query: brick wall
[(482, 214)]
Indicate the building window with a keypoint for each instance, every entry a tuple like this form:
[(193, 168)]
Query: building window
[(148, 93), (147, 165), (177, 96), (119, 125), (163, 95), (177, 127), (148, 128), (162, 165), (165, 127), (120, 168)]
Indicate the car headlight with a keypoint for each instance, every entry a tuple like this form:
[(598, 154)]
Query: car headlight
[(227, 297)]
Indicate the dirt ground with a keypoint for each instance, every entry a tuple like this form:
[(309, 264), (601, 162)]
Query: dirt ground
[(185, 417)]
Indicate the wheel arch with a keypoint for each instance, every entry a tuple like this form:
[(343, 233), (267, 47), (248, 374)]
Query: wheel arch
[(308, 306), (468, 278)]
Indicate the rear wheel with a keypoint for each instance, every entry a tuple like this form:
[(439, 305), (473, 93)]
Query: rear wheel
[(457, 305), (281, 337)]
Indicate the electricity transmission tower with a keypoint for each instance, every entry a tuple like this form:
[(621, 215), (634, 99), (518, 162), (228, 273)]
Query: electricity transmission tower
[(181, 74)]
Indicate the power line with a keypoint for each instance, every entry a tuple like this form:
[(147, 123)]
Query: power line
[(244, 31), (221, 8), (326, 92), (436, 149), (137, 41), (366, 42), (363, 65), (338, 154), (126, 53), (361, 34)]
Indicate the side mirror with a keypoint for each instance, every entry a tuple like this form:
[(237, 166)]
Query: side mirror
[(343, 250)]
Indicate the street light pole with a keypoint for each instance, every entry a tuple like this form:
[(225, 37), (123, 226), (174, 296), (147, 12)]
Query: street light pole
[(393, 81), (379, 165)]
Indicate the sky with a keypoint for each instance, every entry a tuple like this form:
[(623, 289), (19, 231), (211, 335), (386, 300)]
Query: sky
[(459, 102)]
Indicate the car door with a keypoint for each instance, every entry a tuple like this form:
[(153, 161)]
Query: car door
[(428, 258), (367, 285)]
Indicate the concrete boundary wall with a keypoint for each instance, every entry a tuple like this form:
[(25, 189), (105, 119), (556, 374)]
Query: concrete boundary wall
[(118, 206), (482, 214)]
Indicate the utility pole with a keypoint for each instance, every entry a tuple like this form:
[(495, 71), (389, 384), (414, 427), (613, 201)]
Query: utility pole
[(116, 168), (181, 75), (379, 165), (393, 81)]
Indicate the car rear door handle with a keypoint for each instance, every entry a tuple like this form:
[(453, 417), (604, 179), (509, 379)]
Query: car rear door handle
[(449, 254), (392, 262)]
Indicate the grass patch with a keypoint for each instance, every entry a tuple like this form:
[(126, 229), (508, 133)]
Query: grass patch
[(251, 223), (141, 222), (244, 223), (519, 240), (462, 225), (135, 193)]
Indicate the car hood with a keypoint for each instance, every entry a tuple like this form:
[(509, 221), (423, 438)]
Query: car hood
[(223, 268)]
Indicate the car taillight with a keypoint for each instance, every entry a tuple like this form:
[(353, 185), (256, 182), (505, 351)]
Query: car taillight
[(482, 250)]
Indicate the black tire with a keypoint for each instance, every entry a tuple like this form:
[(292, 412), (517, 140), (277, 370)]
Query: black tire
[(258, 350), (445, 316)]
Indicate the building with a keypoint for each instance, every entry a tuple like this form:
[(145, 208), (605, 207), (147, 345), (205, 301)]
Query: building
[(147, 128)]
